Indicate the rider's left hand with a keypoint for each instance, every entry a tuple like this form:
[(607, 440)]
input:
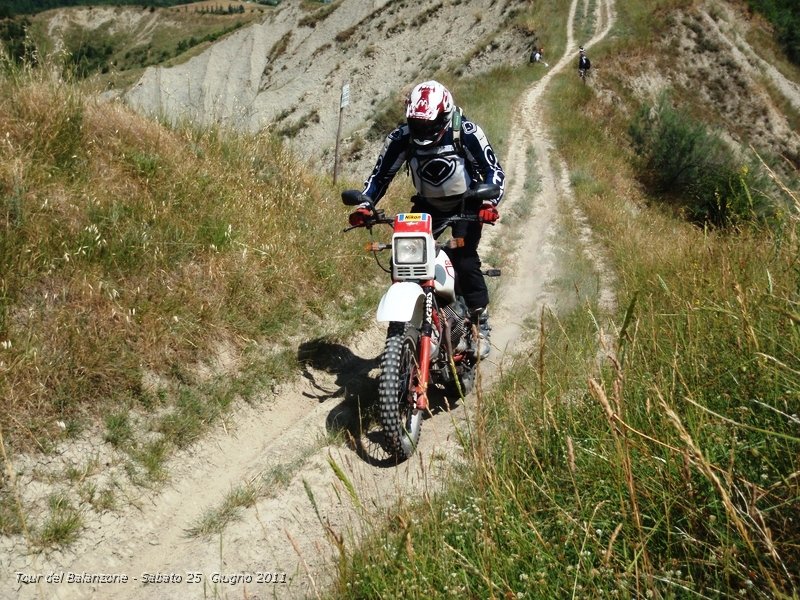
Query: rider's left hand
[(488, 212)]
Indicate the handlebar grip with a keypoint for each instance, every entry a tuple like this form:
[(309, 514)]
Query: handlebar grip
[(483, 191)]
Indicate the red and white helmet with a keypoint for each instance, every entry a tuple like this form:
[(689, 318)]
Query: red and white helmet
[(428, 112)]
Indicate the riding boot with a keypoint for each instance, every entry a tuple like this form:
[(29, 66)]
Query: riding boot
[(480, 318)]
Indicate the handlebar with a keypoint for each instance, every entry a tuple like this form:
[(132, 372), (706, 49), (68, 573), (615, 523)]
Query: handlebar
[(379, 217), (481, 192)]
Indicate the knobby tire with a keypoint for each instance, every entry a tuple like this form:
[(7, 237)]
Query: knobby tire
[(401, 421)]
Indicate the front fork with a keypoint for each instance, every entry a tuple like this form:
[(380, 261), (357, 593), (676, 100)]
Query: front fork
[(426, 331)]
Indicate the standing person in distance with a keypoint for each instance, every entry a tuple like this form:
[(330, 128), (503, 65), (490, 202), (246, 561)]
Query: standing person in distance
[(446, 154)]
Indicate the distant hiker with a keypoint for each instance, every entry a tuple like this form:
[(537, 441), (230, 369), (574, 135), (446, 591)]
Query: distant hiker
[(446, 154), (538, 56), (584, 64)]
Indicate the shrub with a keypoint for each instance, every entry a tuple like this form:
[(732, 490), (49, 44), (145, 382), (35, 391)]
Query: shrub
[(694, 169), (785, 16)]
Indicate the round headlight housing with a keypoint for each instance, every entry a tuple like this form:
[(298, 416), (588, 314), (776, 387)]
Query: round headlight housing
[(409, 251)]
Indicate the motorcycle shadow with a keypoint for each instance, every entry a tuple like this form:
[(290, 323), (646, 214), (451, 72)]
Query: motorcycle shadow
[(356, 417)]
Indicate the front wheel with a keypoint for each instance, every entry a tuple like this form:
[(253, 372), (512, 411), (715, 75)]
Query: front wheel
[(401, 420)]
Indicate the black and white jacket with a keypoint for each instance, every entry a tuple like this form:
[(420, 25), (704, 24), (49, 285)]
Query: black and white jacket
[(441, 174)]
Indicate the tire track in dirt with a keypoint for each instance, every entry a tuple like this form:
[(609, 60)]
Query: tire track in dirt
[(536, 250), (291, 529)]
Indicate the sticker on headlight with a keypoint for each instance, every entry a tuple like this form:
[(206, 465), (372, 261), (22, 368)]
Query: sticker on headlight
[(413, 217)]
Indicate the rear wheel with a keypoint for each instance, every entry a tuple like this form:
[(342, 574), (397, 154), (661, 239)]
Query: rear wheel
[(401, 420)]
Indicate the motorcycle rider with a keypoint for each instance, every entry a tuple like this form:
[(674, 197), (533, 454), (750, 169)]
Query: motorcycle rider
[(584, 64), (446, 154), (538, 56)]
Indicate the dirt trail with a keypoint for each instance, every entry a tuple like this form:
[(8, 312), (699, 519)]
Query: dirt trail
[(535, 261), (284, 536)]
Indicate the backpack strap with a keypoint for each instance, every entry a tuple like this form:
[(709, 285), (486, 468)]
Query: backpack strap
[(456, 124)]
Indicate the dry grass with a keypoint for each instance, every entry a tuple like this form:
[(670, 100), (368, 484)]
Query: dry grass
[(130, 248)]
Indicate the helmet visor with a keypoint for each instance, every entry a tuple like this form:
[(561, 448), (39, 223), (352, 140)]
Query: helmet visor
[(426, 132)]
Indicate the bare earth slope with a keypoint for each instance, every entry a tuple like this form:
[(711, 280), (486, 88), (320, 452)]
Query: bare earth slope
[(288, 71), (287, 534)]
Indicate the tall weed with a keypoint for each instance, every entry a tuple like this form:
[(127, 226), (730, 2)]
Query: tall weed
[(669, 469)]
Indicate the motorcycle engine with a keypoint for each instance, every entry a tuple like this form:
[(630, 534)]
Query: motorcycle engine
[(458, 331)]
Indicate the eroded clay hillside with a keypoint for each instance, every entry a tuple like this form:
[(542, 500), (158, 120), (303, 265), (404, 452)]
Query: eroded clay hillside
[(710, 60), (287, 72)]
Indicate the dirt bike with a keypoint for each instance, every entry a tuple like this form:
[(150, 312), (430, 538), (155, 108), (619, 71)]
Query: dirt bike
[(430, 338), (583, 69)]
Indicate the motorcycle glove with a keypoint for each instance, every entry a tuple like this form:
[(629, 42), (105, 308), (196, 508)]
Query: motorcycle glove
[(488, 212), (360, 216)]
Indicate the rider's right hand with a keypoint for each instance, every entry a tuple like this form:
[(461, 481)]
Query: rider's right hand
[(360, 216)]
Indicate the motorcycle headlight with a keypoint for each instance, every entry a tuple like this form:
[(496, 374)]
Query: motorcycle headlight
[(409, 251)]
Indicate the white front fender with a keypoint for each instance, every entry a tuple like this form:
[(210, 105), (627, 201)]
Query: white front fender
[(403, 302)]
